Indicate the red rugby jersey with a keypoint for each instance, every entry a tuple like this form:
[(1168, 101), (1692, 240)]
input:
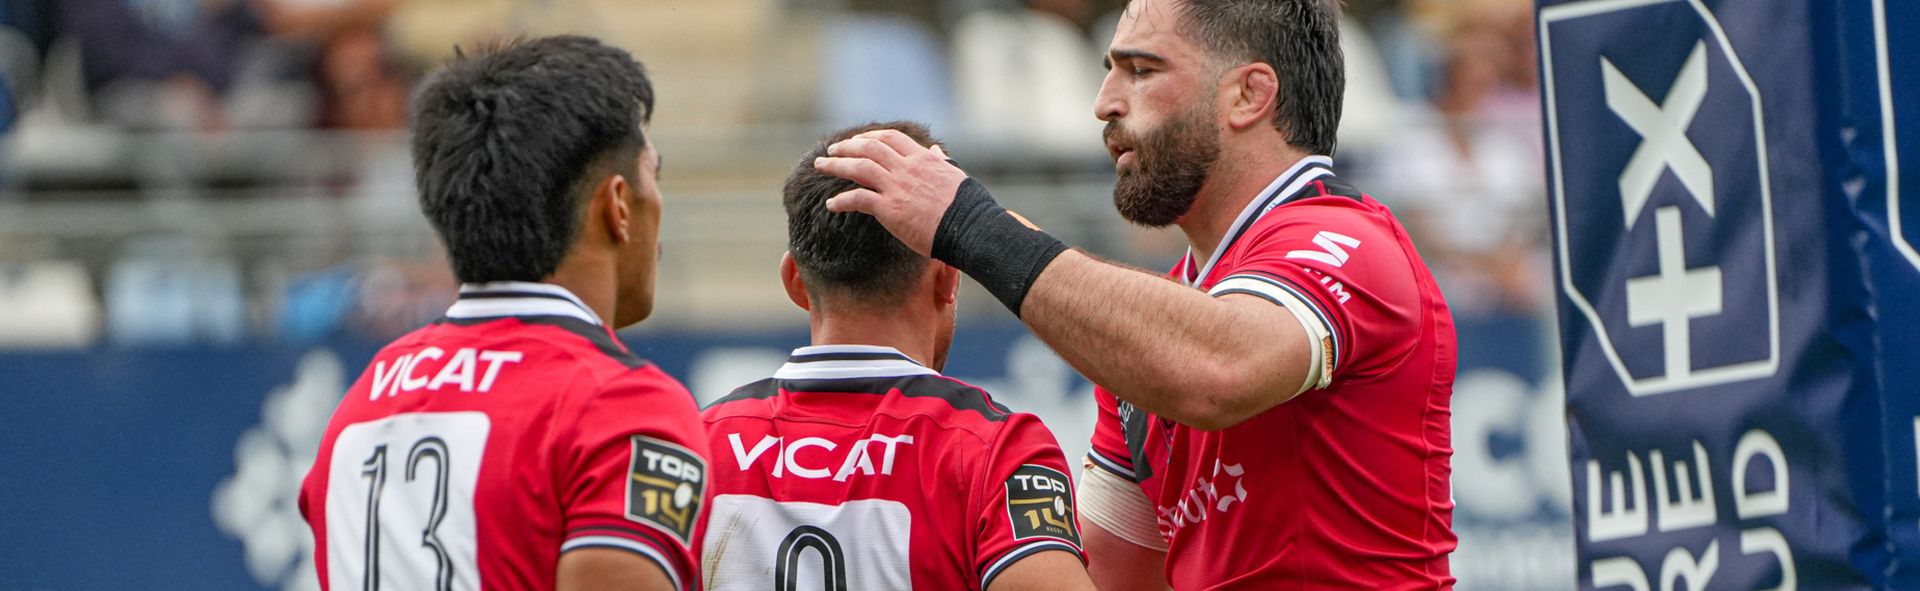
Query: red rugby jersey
[(471, 453), (857, 468), (1346, 487)]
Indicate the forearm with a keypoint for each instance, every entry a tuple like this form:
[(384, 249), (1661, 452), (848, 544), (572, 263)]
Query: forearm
[(1120, 565), (1164, 347)]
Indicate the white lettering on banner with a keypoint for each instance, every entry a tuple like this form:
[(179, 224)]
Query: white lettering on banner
[(404, 374), (1769, 540), (859, 458), (1747, 503), (1680, 567), (1619, 572), (1623, 521), (1683, 511)]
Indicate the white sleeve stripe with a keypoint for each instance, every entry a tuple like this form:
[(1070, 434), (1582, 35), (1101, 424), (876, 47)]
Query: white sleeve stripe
[(625, 544), (1322, 351), (1258, 282), (1284, 285), (1112, 466), (1020, 552)]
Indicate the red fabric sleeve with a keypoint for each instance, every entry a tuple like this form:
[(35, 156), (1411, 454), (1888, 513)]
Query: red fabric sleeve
[(1026, 499), (1351, 268), (632, 472), (1109, 450)]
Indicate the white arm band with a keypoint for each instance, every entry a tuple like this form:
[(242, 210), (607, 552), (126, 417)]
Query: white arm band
[(1323, 351), (1119, 506)]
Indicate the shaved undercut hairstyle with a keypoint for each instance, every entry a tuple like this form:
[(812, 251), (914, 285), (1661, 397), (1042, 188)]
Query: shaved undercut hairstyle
[(847, 254), (507, 143)]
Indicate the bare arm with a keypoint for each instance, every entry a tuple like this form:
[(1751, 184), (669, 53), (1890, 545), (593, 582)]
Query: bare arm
[(1046, 571), (1120, 565), (1169, 349), (588, 569)]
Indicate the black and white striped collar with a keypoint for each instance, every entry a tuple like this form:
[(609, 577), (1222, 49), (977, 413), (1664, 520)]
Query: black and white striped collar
[(518, 298), (833, 362), (1286, 187)]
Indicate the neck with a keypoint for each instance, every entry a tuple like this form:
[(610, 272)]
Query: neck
[(1230, 186), (594, 288), (900, 329)]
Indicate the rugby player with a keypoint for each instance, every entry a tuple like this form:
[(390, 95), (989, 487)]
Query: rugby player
[(857, 465), (515, 443), (1276, 415)]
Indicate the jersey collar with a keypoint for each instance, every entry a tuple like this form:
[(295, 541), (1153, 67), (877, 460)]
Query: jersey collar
[(1284, 188), (518, 298), (849, 361)]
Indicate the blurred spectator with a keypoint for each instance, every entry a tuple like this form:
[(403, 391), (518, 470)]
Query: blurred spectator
[(206, 64), (1468, 178), (26, 31), (362, 85), (1027, 78), (161, 63)]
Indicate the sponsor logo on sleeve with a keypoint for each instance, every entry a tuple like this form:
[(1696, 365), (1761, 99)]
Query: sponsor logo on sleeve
[(665, 485), (1040, 504)]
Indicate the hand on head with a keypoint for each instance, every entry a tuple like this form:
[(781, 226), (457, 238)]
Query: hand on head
[(904, 185)]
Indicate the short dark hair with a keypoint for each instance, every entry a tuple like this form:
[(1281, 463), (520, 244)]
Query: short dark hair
[(1300, 39), (847, 253), (506, 140)]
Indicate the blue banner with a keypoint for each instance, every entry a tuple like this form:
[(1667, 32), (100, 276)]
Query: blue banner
[(1733, 323), (1879, 42)]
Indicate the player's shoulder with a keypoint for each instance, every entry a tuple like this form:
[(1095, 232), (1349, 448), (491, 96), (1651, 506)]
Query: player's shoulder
[(971, 408), (590, 344), (951, 401), (1327, 203), (749, 400)]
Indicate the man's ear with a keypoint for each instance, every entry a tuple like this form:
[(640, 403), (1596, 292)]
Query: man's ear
[(1253, 93), (790, 278), (612, 197), (946, 283)]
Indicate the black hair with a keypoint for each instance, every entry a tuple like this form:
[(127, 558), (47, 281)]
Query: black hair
[(507, 143), (1300, 39), (847, 253)]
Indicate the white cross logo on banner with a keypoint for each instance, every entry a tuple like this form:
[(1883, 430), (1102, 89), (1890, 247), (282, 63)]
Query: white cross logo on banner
[(1663, 133), (1676, 295), (1713, 276)]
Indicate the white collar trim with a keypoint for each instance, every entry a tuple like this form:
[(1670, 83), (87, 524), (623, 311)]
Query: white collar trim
[(1287, 184), (834, 362), (519, 298)]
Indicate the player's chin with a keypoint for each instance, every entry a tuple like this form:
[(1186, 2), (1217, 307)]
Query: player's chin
[(633, 312)]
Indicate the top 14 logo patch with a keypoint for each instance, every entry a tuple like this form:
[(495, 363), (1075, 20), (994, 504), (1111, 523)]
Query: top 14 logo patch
[(1661, 188)]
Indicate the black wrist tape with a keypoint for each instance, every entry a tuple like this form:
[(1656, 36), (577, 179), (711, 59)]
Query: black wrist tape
[(992, 245)]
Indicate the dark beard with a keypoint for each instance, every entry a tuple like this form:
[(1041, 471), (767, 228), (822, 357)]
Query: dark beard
[(1169, 165)]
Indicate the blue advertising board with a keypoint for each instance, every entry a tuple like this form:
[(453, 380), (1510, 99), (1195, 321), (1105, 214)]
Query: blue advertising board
[(1737, 314), (177, 468)]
